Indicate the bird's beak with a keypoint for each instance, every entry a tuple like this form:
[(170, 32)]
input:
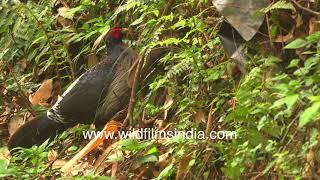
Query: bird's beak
[(125, 30)]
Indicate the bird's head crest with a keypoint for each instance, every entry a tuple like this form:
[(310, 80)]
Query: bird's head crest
[(116, 32)]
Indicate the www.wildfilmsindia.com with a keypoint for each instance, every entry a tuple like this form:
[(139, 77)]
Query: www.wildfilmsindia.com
[(150, 133)]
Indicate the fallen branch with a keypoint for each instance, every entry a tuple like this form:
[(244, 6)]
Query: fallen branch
[(104, 155), (111, 126)]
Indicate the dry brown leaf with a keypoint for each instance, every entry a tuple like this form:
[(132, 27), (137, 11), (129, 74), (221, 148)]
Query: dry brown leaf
[(309, 167), (64, 3), (81, 167), (44, 92), (111, 126), (210, 122), (232, 103), (314, 25), (114, 169), (14, 123), (92, 60), (155, 172), (199, 117), (24, 63), (62, 11), (52, 155), (5, 154), (63, 21), (159, 124), (163, 160), (59, 163), (284, 38), (182, 172), (299, 20)]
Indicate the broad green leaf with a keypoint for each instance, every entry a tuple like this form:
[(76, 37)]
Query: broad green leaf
[(70, 12), (152, 150), (309, 114), (314, 38), (147, 158), (166, 172), (133, 145), (314, 98), (137, 21), (291, 100), (296, 44), (311, 62), (293, 63)]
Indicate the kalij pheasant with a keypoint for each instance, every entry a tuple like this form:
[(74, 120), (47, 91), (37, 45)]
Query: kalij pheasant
[(80, 101)]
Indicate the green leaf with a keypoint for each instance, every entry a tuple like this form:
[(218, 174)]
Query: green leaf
[(70, 12), (311, 62), (278, 103), (137, 21), (309, 114), (133, 145), (166, 172), (296, 44), (293, 63), (291, 100), (152, 150), (72, 148), (314, 38), (279, 5), (314, 98), (148, 158)]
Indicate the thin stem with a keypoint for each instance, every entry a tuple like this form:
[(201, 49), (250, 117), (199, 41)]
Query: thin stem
[(305, 9)]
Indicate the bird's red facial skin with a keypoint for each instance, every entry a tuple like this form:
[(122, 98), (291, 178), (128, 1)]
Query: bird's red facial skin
[(116, 33)]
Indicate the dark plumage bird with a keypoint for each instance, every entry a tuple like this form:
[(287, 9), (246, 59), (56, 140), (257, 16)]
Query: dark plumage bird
[(107, 81)]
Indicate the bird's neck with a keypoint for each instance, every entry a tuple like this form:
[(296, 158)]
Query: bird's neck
[(114, 47), (112, 42)]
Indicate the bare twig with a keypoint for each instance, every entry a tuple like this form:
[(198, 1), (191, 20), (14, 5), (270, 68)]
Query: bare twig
[(104, 155), (269, 31), (209, 122), (133, 92), (305, 9)]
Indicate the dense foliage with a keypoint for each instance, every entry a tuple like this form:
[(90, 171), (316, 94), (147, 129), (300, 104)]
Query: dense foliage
[(274, 107)]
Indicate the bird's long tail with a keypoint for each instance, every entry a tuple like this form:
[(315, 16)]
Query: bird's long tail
[(35, 131)]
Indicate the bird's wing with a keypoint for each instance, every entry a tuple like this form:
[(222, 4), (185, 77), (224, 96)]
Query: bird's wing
[(79, 102), (118, 93)]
